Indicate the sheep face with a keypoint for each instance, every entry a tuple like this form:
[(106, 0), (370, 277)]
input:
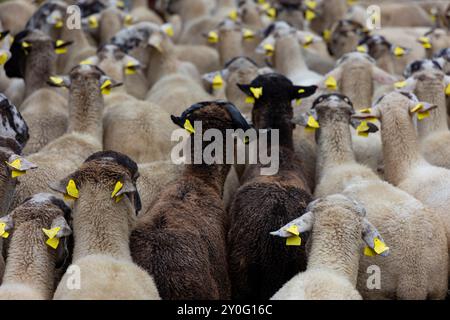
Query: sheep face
[(443, 57), (48, 17), (344, 37), (421, 66), (12, 124), (273, 94), (333, 107), (110, 175)]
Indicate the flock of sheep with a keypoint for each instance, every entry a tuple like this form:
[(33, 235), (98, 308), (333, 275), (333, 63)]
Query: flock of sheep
[(93, 207)]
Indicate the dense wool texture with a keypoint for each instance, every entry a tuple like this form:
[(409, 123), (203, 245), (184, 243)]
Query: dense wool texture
[(44, 110), (31, 263), (333, 255), (400, 218), (405, 167), (102, 228), (83, 137), (189, 221), (259, 264)]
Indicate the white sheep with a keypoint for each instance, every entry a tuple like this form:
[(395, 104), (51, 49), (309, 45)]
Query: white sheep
[(34, 231), (338, 226), (104, 213), (396, 214)]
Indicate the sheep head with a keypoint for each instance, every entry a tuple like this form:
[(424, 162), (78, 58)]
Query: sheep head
[(272, 95), (377, 46), (43, 216), (344, 37), (113, 175), (346, 213)]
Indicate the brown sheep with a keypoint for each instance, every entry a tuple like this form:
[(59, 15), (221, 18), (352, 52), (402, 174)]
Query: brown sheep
[(180, 241), (259, 266)]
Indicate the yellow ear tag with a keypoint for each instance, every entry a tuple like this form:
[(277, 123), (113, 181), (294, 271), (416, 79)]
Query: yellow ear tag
[(447, 90), (363, 129), (249, 100), (233, 15), (361, 49), (3, 58), (26, 45), (217, 81), (425, 41), (310, 15), (379, 246), (257, 92), (106, 87), (3, 233), (308, 41), (418, 107), (72, 190), (367, 110), (351, 2), (331, 83), (312, 124), (271, 13), (59, 49), (369, 252), (294, 241), (311, 4), (294, 230), (326, 35), (16, 173), (298, 102), (400, 84), (117, 188), (52, 241), (56, 80), (130, 68), (120, 4), (87, 61), (399, 52), (423, 115), (188, 126), (93, 22), (59, 24), (168, 29), (269, 49), (213, 37), (128, 20), (16, 164), (248, 34)]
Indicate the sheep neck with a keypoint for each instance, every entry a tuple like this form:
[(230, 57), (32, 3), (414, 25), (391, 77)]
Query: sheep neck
[(30, 261), (161, 63), (356, 83), (335, 244), (230, 45), (432, 91), (289, 58), (334, 142), (86, 108), (100, 225), (386, 62), (40, 65), (400, 146)]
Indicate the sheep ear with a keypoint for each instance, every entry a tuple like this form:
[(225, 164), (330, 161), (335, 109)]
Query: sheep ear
[(177, 121), (155, 41), (304, 119), (64, 228), (215, 80), (61, 46), (382, 76), (331, 80), (56, 81), (60, 186), (106, 84), (6, 225), (299, 92), (399, 51), (239, 121), (422, 109), (19, 165), (245, 88), (294, 228), (127, 187), (212, 36), (371, 114), (92, 60), (363, 127), (408, 85), (306, 38), (131, 65), (373, 239)]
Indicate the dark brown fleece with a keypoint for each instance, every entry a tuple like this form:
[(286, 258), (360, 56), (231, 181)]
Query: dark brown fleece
[(259, 263), (180, 241)]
